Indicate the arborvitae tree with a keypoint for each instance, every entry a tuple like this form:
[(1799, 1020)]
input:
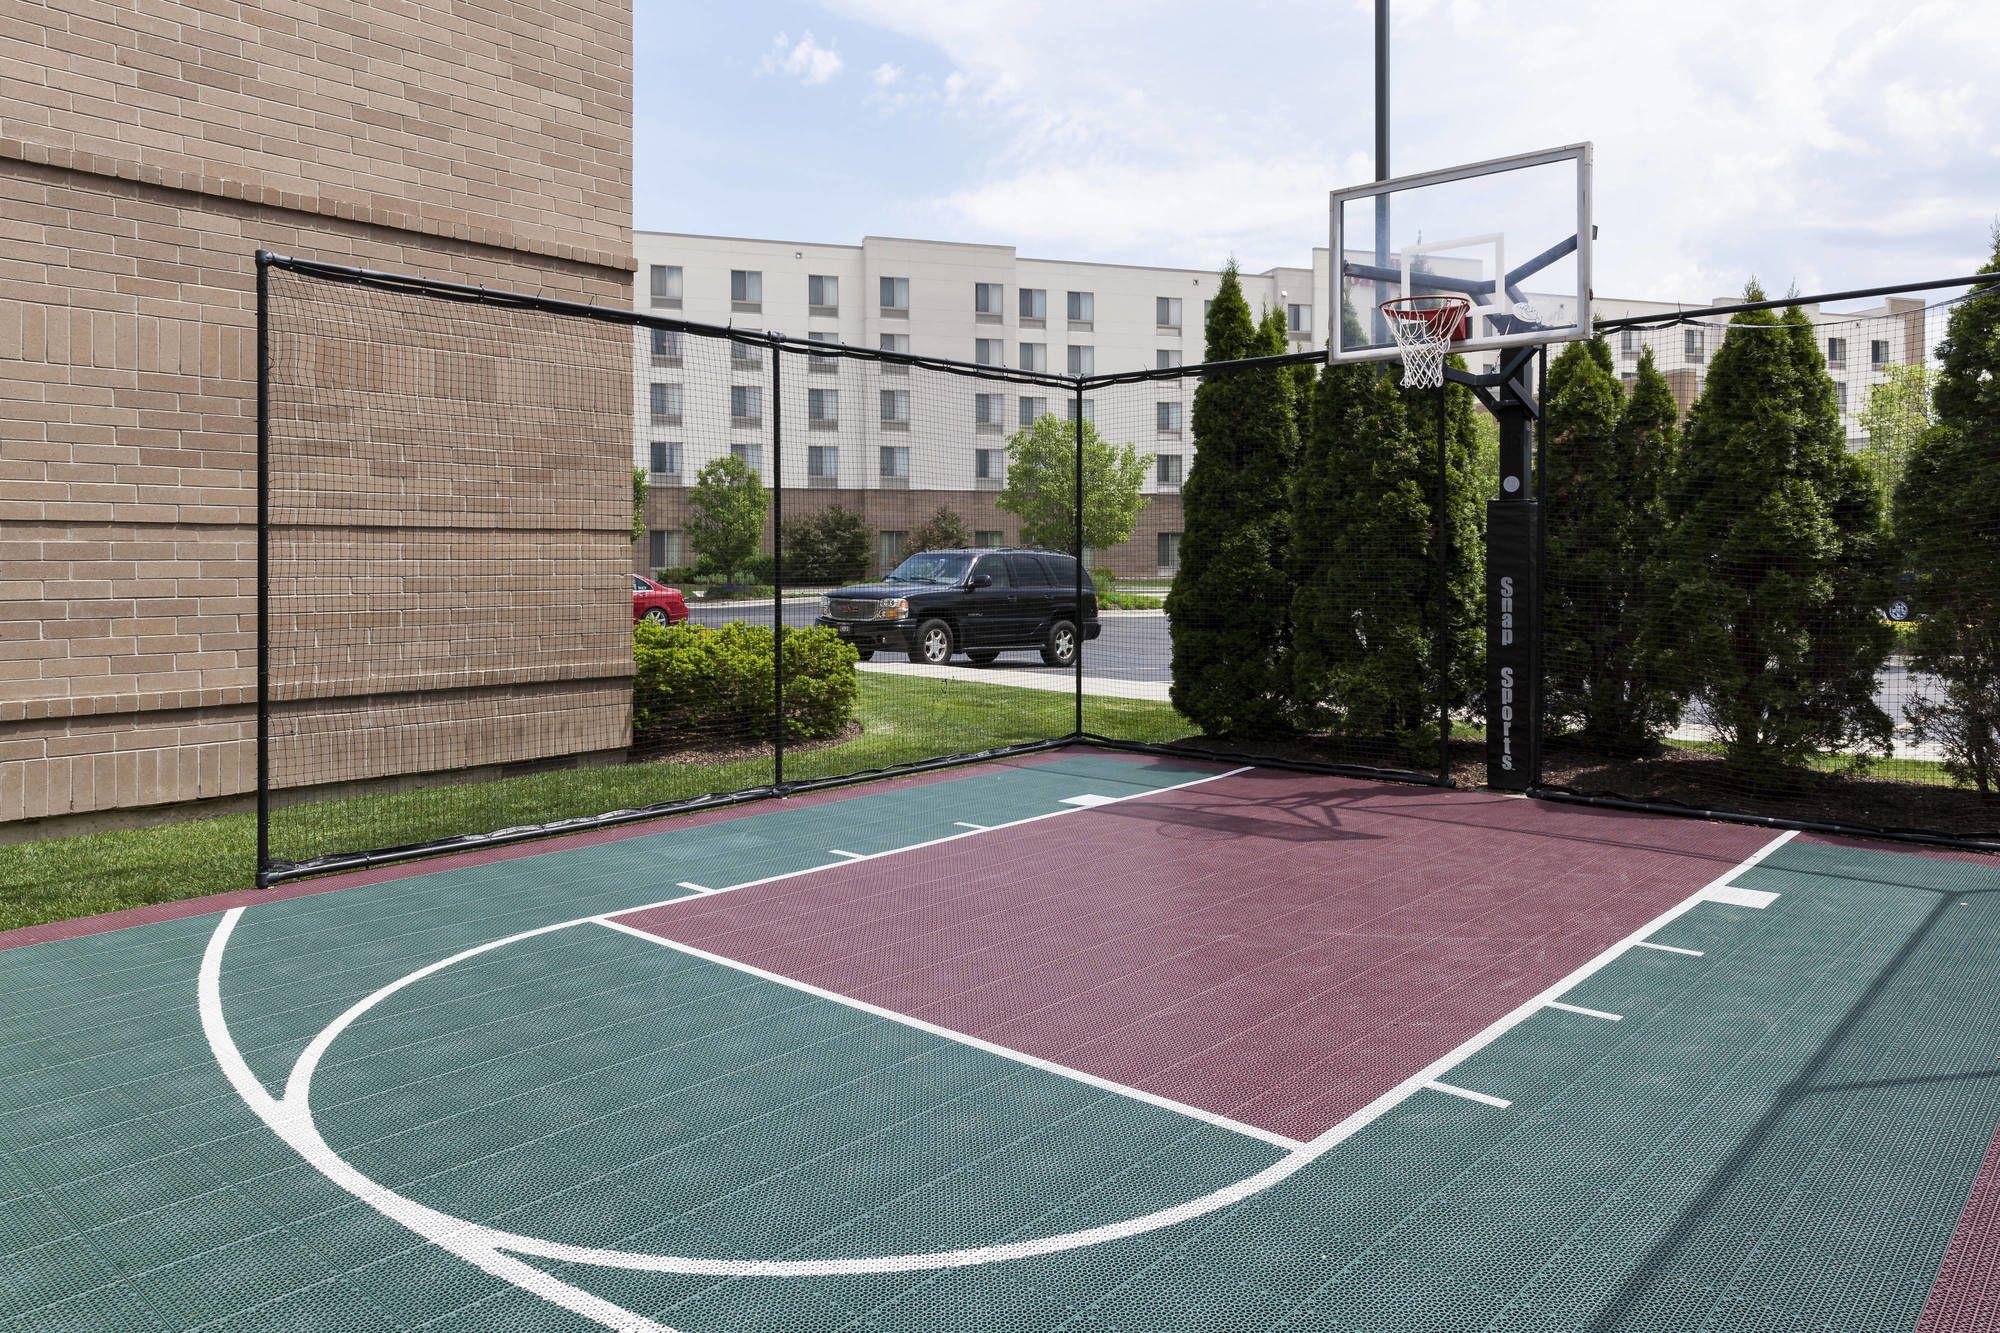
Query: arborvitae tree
[(1948, 529), (1229, 608), (1606, 461), (1774, 561), (1366, 620)]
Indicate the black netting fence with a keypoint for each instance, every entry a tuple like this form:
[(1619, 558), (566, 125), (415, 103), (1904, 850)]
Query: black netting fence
[(1766, 558), (1772, 543)]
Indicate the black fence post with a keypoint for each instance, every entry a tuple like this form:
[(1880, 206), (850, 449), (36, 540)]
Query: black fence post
[(263, 568), (1076, 729), (1441, 519), (777, 571)]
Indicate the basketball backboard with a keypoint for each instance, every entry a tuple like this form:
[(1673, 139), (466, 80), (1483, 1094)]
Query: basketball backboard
[(1512, 234)]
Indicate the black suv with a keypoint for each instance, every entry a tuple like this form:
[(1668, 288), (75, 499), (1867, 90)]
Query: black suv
[(978, 602)]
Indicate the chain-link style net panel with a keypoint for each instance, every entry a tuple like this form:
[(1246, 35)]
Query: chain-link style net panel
[(906, 546), (451, 596), (1770, 570), (1282, 591)]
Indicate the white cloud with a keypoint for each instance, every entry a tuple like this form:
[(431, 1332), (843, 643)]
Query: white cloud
[(806, 60), (885, 74), (1827, 142)]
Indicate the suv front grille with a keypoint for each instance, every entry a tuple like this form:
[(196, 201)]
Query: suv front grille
[(852, 608)]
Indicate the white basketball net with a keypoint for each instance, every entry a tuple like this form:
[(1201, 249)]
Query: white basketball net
[(1424, 327)]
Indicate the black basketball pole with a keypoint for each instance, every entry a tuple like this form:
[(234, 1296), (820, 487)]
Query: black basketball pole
[(1381, 169)]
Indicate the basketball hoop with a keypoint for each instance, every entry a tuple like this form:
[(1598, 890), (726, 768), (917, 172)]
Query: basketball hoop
[(1425, 327)]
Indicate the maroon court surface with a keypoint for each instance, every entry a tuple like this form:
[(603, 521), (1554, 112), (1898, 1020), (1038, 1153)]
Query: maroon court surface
[(1273, 948)]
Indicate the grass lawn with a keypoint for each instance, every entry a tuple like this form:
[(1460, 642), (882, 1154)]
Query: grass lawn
[(903, 720)]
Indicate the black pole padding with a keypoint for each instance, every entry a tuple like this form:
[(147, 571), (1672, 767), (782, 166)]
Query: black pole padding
[(1076, 725), (777, 572), (1441, 519)]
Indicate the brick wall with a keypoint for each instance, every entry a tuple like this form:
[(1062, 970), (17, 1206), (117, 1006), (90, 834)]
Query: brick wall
[(145, 156)]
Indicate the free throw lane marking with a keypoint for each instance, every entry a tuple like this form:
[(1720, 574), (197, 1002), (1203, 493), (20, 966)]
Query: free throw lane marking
[(1587, 1013), (291, 1119), (1667, 948), (1736, 897), (1484, 1099), (964, 1039)]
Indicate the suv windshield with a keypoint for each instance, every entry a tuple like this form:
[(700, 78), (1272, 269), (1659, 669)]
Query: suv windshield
[(931, 567)]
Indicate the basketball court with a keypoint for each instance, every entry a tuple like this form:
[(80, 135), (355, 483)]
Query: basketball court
[(1073, 1041)]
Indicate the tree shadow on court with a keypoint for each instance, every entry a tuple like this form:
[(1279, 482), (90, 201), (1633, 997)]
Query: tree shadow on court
[(1656, 1271)]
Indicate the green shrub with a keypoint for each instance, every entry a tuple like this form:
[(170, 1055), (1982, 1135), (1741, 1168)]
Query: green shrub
[(761, 569), (832, 546), (693, 684)]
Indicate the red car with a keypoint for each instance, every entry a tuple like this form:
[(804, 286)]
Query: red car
[(656, 602)]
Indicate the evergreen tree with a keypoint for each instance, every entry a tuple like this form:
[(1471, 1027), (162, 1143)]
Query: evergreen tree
[(1948, 529), (1607, 462), (1228, 609), (1774, 560), (1366, 620)]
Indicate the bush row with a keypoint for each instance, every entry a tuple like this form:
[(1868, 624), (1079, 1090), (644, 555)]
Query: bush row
[(692, 684)]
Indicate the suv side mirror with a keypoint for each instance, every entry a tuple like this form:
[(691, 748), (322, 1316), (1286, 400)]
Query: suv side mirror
[(980, 581)]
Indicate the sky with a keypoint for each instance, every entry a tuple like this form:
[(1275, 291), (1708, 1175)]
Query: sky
[(1815, 144)]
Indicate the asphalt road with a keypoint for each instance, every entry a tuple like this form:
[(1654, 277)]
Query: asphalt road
[(1138, 647)]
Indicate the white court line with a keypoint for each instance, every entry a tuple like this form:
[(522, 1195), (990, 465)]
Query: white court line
[(1483, 1098), (1088, 799), (292, 1120), (1668, 948), (852, 856), (1587, 1013), (1736, 897), (965, 1039), (698, 888), (976, 828)]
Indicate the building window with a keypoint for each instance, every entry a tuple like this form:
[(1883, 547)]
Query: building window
[(989, 351), (1167, 549), (751, 454), (1167, 312), (1167, 418), (1206, 306), (1836, 352), (822, 463), (745, 356), (666, 458), (896, 407), (1035, 304), (1693, 345), (895, 461), (1166, 358), (1878, 352), (1840, 394), (895, 342), (987, 410), (1032, 409), (823, 364), (889, 549), (1082, 360), (1167, 470), (1299, 320), (1628, 342), (746, 289), (667, 345), (1082, 308), (823, 293), (895, 296), (1089, 406), (986, 298), (665, 404), (989, 537), (667, 285), (823, 408), (1035, 356), (665, 549), (746, 404), (989, 465)]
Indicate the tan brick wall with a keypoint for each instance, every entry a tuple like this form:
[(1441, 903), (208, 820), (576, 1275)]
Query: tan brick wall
[(131, 207)]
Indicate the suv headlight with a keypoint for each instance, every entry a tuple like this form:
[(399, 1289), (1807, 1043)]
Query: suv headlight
[(892, 608), (825, 605)]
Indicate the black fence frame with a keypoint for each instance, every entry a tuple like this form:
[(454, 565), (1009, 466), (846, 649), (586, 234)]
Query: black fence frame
[(271, 872)]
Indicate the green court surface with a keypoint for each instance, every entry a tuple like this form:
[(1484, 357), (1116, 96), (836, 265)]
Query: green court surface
[(300, 1115)]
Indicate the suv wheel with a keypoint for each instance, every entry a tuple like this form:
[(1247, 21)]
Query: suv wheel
[(865, 654), (1060, 647), (932, 646)]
